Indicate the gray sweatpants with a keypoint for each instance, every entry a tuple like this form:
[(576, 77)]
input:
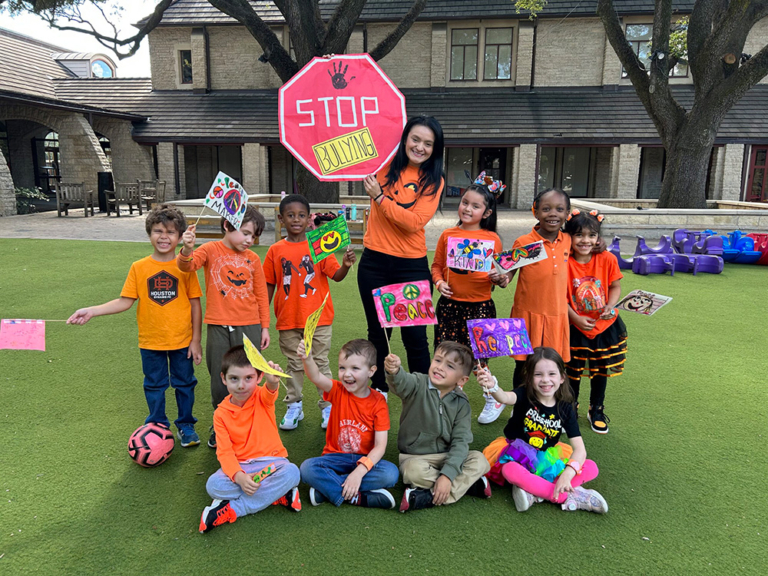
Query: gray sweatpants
[(220, 339), (274, 486)]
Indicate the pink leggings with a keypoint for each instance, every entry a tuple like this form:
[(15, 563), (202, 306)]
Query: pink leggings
[(518, 475)]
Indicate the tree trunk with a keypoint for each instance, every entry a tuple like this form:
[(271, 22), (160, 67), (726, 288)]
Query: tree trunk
[(314, 190), (685, 173)]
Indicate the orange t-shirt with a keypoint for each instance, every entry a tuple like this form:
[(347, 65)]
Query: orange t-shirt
[(396, 226), (235, 289), (588, 288), (354, 420), (541, 295), (300, 285), (247, 431), (467, 286), (164, 314)]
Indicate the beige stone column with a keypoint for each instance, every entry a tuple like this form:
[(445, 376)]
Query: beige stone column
[(611, 65), (524, 177), (198, 43), (733, 166), (80, 153), (253, 180), (628, 170), (439, 54), (166, 170), (130, 160), (524, 56), (7, 193)]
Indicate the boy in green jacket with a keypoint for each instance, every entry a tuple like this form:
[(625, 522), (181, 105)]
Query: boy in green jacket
[(435, 430)]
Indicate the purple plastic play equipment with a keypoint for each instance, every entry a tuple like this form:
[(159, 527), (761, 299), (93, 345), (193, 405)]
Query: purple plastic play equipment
[(685, 251), (615, 250), (708, 263), (664, 247)]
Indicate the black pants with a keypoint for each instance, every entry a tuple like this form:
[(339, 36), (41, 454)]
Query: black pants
[(377, 269)]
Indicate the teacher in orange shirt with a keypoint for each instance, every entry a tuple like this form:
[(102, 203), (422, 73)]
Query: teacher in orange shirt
[(404, 195)]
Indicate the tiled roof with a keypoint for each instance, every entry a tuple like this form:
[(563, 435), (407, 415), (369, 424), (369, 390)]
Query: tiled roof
[(498, 116), (198, 12), (26, 65)]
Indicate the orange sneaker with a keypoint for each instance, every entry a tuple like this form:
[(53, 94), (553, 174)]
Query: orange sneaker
[(291, 500), (218, 513)]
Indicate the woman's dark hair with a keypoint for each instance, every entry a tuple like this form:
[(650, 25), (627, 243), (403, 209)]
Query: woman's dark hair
[(564, 393), (543, 193), (490, 204), (290, 199), (582, 221), (431, 171)]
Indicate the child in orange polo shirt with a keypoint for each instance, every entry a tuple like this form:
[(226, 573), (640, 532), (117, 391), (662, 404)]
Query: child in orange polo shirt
[(301, 297), (351, 468), (236, 300), (169, 318), (540, 295), (247, 443)]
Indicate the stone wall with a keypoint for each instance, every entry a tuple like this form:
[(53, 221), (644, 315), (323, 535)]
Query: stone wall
[(7, 194), (732, 169), (569, 52), (409, 64), (235, 60), (166, 171), (130, 161), (526, 177), (164, 44)]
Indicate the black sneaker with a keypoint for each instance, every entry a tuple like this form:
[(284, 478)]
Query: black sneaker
[(212, 440), (598, 420), (290, 500), (380, 498), (481, 488), (416, 499), (218, 513)]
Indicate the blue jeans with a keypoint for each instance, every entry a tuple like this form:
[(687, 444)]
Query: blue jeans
[(327, 473), (284, 478), (163, 368)]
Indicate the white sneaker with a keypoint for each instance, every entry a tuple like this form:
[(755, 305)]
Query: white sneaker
[(491, 411), (326, 416), (523, 500), (585, 499), (292, 417)]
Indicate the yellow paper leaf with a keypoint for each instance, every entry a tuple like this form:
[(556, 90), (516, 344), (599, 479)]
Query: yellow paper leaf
[(257, 360), (311, 325)]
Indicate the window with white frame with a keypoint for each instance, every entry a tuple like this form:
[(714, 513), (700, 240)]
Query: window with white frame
[(464, 53), (639, 37), (498, 54)]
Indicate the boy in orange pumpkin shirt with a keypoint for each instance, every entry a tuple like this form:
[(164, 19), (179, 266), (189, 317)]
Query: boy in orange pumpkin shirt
[(283, 265), (247, 443)]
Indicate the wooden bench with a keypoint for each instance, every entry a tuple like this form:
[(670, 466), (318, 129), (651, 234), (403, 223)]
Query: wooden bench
[(357, 228), (67, 194)]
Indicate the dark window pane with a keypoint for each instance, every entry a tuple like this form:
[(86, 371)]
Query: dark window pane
[(185, 57), (760, 158), (757, 181)]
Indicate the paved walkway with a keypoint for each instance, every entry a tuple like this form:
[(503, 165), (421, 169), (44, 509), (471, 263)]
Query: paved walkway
[(130, 228)]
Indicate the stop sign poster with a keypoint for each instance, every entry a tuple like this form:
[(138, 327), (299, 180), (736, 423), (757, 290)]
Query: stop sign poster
[(341, 117)]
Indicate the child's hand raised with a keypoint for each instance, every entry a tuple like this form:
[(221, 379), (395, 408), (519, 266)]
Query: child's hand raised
[(80, 317), (372, 187), (301, 350), (188, 238), (392, 364), (485, 378), (349, 257), (273, 378)]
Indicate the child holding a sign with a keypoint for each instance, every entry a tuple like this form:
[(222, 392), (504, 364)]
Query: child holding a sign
[(236, 301), (283, 265), (351, 468), (538, 467), (169, 316), (463, 271), (248, 447), (436, 430), (598, 335)]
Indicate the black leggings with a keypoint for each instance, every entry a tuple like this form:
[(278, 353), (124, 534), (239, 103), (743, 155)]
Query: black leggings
[(375, 270), (598, 384)]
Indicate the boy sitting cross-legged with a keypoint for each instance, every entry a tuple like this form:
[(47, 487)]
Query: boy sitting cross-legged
[(247, 442), (350, 468), (435, 430)]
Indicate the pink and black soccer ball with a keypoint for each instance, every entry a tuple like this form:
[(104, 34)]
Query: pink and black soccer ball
[(150, 445)]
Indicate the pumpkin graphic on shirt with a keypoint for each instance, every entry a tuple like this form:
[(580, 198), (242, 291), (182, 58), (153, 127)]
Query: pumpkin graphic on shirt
[(588, 295), (232, 276), (349, 440)]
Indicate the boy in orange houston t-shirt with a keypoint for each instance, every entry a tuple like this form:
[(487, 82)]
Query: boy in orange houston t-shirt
[(248, 442), (169, 318), (297, 298), (350, 468), (236, 300)]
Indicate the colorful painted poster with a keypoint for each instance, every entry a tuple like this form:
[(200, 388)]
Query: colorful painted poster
[(311, 325), (406, 304), (469, 254), (519, 257), (257, 360), (641, 302), (227, 198), (499, 337), (327, 239), (22, 335)]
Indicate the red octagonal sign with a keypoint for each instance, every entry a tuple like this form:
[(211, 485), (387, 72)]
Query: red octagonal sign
[(342, 117)]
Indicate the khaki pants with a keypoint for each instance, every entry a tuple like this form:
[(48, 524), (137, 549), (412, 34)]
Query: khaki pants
[(423, 470), (321, 345)]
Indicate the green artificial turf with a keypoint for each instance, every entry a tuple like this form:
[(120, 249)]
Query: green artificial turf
[(682, 468)]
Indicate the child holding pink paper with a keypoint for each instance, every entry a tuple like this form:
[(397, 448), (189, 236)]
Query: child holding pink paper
[(466, 294)]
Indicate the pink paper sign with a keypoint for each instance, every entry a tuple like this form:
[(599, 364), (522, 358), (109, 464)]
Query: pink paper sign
[(469, 254), (22, 335), (406, 304)]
